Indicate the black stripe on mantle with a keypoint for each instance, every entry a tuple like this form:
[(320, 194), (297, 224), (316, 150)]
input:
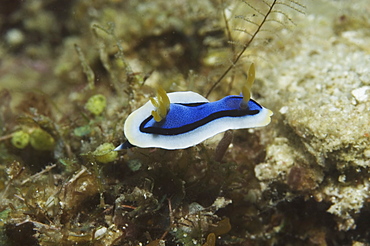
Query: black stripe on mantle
[(196, 124)]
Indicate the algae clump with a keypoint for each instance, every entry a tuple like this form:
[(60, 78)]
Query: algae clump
[(20, 139), (96, 104), (104, 153), (41, 140)]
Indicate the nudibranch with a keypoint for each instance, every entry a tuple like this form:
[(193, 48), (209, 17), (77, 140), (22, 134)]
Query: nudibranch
[(181, 120)]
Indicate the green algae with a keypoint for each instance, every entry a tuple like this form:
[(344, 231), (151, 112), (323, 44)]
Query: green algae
[(20, 139), (96, 104), (41, 140), (104, 153)]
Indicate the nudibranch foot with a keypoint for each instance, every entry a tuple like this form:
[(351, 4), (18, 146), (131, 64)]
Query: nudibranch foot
[(125, 145)]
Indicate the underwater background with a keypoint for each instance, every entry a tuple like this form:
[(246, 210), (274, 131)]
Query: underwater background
[(72, 71)]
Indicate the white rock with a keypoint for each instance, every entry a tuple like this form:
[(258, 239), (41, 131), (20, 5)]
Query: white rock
[(361, 94), (100, 232)]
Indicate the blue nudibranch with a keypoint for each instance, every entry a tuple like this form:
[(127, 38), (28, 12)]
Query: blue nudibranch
[(180, 120)]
